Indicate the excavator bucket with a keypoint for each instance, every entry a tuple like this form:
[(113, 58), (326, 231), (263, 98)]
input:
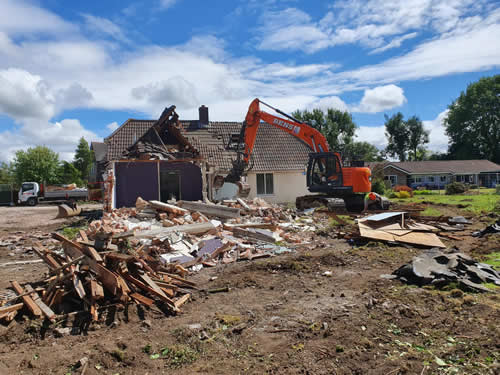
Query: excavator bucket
[(68, 211)]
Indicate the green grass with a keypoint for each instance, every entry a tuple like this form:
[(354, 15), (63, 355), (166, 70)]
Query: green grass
[(72, 232), (485, 201), (431, 211), (493, 259), (334, 223)]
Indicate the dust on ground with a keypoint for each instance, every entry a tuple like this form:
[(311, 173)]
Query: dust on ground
[(283, 315)]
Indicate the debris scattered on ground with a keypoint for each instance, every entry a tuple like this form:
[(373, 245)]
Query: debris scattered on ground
[(396, 227), (490, 229), (440, 269), (144, 255)]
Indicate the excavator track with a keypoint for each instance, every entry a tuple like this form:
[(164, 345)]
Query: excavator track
[(348, 204)]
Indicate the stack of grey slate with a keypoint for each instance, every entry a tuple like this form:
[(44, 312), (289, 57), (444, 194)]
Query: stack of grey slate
[(439, 269)]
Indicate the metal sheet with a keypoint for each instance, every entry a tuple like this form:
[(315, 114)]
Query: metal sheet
[(384, 216)]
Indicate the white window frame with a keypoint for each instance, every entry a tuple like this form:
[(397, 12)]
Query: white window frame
[(417, 180), (265, 184)]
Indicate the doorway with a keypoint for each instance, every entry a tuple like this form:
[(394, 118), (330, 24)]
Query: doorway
[(170, 185)]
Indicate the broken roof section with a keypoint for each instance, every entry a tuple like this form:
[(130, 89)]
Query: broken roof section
[(164, 140)]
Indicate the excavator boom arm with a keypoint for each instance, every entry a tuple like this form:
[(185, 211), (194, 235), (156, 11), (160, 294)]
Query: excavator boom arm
[(312, 137)]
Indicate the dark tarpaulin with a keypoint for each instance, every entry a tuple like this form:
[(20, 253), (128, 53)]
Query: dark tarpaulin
[(190, 178)]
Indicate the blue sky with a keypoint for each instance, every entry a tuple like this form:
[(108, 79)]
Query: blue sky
[(81, 68)]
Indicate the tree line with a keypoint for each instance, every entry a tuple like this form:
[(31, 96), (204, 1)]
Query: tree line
[(41, 164), (472, 126)]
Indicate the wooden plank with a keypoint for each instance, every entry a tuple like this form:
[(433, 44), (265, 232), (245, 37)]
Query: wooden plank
[(145, 287), (169, 208), (254, 234), (269, 226), (46, 310), (175, 277), (4, 311), (197, 228), (243, 204), (211, 209), (43, 253), (77, 283), (142, 299), (27, 300), (56, 298), (64, 266), (96, 290), (74, 250), (151, 283), (83, 235), (119, 257), (91, 252), (181, 301), (168, 291)]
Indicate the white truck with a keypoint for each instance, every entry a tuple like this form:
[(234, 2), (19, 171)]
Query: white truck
[(31, 194)]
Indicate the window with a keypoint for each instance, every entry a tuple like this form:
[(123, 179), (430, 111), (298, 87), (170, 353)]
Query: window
[(265, 184), (27, 186), (443, 178), (392, 178), (430, 178), (417, 179)]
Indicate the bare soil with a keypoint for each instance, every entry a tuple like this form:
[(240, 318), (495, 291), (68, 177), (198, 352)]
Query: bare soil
[(282, 315)]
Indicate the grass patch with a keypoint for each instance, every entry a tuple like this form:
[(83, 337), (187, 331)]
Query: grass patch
[(485, 201), (178, 355), (431, 211), (72, 232), (346, 218), (493, 260)]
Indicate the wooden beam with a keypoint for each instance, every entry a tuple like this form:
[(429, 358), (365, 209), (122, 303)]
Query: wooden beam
[(181, 301), (142, 299), (211, 209), (27, 300), (169, 208), (145, 287), (96, 290), (4, 311), (74, 261), (43, 253), (46, 310)]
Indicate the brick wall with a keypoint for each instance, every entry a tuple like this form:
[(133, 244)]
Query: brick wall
[(401, 176)]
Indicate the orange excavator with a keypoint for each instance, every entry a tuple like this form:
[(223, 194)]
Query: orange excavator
[(335, 185)]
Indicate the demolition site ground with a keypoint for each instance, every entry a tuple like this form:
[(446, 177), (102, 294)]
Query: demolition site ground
[(321, 309)]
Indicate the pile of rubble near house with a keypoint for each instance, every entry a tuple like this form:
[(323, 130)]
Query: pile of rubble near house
[(143, 255)]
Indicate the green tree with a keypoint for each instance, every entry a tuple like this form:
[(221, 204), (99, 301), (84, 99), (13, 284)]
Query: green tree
[(397, 135), (38, 164), (83, 159), (68, 174), (337, 126), (473, 121), (417, 138), (362, 151), (6, 174)]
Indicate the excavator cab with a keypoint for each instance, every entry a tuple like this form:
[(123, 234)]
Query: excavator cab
[(324, 174)]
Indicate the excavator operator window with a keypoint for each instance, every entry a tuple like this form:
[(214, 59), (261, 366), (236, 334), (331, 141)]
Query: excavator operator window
[(318, 172)]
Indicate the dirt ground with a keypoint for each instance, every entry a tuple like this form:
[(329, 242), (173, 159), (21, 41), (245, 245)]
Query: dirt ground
[(281, 315)]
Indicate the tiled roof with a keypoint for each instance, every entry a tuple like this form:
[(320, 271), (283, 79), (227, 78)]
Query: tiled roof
[(447, 166), (274, 150), (125, 136)]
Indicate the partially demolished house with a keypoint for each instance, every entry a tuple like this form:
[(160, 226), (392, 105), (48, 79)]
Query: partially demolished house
[(169, 158)]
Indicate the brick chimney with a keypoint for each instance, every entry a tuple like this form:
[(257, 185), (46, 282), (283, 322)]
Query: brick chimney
[(203, 112)]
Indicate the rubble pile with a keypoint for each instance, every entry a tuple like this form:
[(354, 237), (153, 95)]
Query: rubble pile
[(439, 269), (143, 255)]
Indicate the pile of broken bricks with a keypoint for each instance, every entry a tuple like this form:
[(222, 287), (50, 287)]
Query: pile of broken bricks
[(143, 255)]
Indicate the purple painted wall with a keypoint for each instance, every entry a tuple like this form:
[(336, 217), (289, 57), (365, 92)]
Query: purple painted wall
[(140, 179), (135, 179)]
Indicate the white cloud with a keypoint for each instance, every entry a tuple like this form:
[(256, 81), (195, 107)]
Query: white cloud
[(112, 126), (381, 98), (374, 24), (102, 25), (61, 137), (395, 43), (19, 17), (438, 140), (329, 102), (165, 4)]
